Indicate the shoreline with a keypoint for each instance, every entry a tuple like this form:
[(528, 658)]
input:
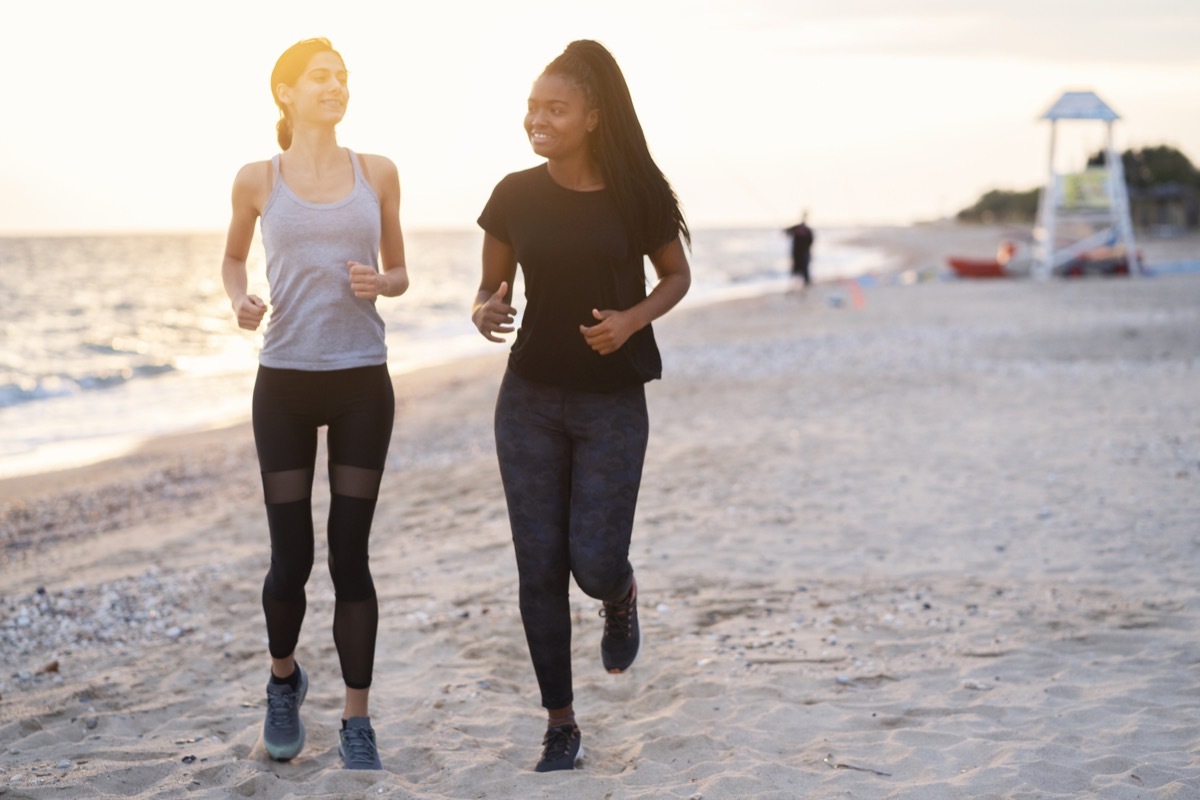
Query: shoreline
[(88, 500), (911, 254)]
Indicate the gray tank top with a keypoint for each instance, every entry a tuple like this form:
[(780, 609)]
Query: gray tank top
[(316, 321)]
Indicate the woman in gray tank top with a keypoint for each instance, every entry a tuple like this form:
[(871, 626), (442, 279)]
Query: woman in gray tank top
[(330, 223)]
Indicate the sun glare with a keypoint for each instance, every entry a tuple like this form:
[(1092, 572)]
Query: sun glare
[(753, 110)]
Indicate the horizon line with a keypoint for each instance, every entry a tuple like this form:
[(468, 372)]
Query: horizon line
[(33, 233)]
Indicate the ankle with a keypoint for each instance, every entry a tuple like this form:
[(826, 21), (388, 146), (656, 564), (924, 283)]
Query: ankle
[(556, 719), (629, 596), (292, 679), (284, 669)]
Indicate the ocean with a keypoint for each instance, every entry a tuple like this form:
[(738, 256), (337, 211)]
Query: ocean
[(109, 340)]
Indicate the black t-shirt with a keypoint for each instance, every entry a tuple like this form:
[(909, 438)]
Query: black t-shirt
[(575, 256)]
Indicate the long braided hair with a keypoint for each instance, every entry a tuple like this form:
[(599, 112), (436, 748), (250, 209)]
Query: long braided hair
[(645, 200), (288, 69)]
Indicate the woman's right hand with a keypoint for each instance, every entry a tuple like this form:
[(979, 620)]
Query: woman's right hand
[(250, 310), (494, 315)]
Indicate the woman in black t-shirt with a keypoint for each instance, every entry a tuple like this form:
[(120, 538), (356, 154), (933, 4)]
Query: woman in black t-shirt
[(571, 424)]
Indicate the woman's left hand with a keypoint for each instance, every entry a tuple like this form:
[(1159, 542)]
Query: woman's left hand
[(611, 331), (365, 281)]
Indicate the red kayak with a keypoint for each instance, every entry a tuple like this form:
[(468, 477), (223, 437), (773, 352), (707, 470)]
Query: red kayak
[(1097, 261), (977, 267), (985, 267)]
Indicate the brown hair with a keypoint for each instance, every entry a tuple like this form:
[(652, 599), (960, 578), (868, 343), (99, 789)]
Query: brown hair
[(288, 69)]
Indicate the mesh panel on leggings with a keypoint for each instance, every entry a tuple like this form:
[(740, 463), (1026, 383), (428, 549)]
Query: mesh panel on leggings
[(287, 486), (354, 629), (357, 482)]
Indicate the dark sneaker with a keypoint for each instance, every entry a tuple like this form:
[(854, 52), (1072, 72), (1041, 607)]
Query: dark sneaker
[(562, 746), (357, 748), (622, 635), (283, 731)]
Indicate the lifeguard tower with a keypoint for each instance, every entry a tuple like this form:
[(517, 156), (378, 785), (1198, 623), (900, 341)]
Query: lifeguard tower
[(1083, 221)]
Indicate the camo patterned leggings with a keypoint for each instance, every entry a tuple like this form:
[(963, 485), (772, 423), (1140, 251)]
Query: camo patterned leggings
[(571, 465)]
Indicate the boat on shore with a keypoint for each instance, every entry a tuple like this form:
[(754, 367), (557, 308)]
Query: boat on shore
[(977, 267), (1099, 261), (1005, 264)]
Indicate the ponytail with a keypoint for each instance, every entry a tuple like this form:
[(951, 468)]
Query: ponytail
[(283, 130)]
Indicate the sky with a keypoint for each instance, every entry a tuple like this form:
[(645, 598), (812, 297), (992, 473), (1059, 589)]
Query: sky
[(129, 116)]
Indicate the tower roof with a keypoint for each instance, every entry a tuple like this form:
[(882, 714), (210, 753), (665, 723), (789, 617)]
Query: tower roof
[(1081, 105)]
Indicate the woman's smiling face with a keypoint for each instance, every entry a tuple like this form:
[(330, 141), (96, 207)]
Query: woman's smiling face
[(322, 91), (558, 119)]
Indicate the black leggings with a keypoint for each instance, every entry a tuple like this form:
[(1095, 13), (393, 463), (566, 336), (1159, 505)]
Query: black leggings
[(571, 464), (358, 407)]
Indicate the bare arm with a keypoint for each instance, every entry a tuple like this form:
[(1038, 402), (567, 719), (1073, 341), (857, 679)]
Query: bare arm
[(392, 279), (614, 328), (247, 203), (491, 311)]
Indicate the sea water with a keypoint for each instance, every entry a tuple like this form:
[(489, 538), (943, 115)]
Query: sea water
[(109, 340)]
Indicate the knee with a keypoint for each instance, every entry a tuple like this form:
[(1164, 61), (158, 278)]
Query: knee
[(607, 585), (351, 576), (287, 578), (543, 589)]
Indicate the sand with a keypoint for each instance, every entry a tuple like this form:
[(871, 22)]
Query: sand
[(924, 541)]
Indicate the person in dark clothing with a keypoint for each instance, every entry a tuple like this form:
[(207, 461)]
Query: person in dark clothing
[(571, 424), (802, 242)]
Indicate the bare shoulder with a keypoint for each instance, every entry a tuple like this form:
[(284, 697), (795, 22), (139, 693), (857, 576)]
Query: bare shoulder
[(254, 176), (252, 185), (254, 170), (383, 176), (380, 170), (377, 162)]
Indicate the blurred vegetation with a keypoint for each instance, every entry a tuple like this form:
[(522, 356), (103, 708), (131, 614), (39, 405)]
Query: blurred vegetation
[(1154, 166), (1145, 169), (1002, 206)]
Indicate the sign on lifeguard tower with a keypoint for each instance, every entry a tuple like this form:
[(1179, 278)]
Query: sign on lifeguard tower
[(1083, 223)]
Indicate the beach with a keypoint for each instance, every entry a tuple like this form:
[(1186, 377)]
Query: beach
[(897, 539)]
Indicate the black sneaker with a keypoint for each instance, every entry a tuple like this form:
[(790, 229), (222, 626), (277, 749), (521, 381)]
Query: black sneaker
[(562, 747), (283, 731), (622, 635)]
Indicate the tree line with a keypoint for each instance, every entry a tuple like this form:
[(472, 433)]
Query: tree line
[(1145, 170)]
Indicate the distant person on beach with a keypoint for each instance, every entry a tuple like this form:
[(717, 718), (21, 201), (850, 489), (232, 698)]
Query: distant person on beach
[(570, 420), (802, 242), (330, 223)]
